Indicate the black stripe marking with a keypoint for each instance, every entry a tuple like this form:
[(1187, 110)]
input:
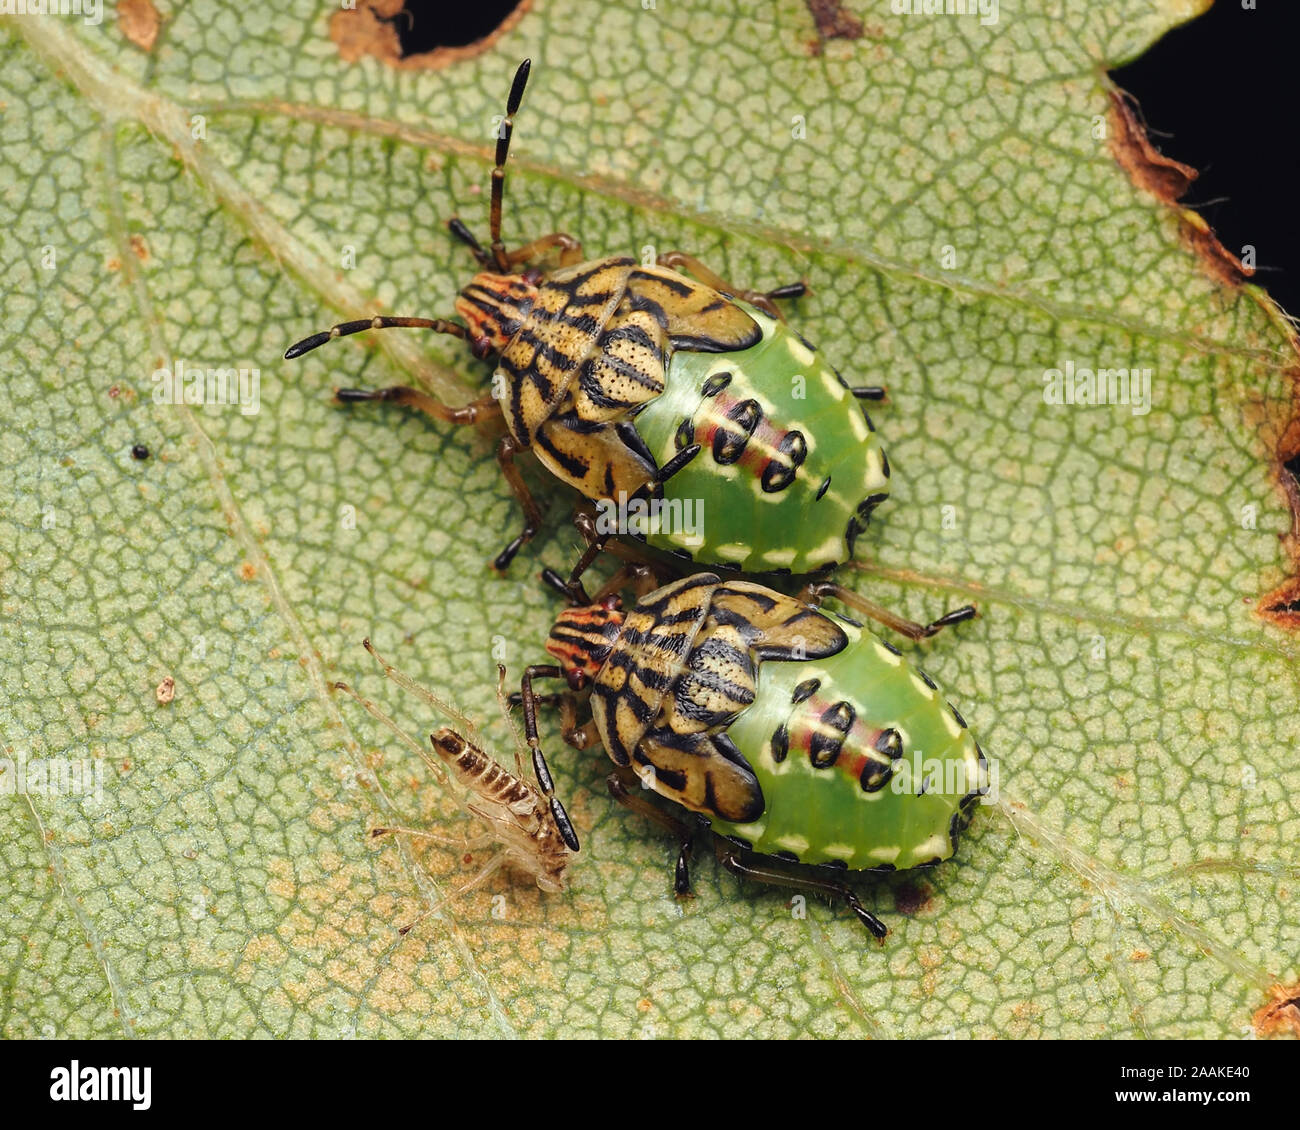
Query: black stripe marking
[(805, 690), (780, 744), (779, 475), (821, 490), (685, 433), (824, 749), (715, 384), (890, 743), (572, 465), (728, 446)]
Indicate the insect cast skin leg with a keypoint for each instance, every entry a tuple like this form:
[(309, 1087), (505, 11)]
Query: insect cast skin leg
[(745, 869), (685, 834), (476, 411), (816, 591), (764, 300), (507, 449)]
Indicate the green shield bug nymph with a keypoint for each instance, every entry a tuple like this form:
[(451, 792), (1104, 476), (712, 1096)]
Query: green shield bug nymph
[(810, 748), (636, 384)]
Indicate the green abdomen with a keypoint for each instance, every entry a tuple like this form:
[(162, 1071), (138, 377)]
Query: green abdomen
[(820, 812), (790, 468)]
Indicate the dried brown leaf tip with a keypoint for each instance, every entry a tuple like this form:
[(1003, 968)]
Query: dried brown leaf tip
[(1281, 1015), (372, 29), (1167, 180), (139, 21)]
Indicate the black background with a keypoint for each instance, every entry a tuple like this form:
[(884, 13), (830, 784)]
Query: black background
[(1224, 90)]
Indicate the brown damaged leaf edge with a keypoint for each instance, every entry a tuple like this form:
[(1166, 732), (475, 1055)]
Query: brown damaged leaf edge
[(1281, 1014), (368, 30), (1167, 180), (1281, 607)]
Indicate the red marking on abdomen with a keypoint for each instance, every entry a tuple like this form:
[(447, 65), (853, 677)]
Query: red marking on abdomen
[(860, 737), (763, 442)]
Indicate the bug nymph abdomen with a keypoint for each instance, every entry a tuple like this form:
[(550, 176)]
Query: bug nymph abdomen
[(870, 769), (515, 811), (785, 447)]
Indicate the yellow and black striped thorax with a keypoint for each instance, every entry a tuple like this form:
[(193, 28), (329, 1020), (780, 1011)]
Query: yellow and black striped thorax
[(683, 668), (495, 307)]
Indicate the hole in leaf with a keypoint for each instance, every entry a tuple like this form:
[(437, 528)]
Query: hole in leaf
[(422, 34), (426, 25), (1292, 467)]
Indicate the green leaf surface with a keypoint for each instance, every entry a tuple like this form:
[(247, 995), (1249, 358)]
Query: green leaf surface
[(1137, 877)]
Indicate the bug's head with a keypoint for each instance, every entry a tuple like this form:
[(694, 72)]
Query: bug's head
[(494, 307), (582, 639)]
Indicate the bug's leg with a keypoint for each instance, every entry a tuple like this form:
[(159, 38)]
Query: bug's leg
[(482, 877), (370, 708), (480, 347), (579, 737), (685, 833), (764, 300), (596, 540), (569, 247), (484, 408), (462, 233), (499, 255), (816, 591), (541, 770), (745, 869), (507, 449), (469, 843)]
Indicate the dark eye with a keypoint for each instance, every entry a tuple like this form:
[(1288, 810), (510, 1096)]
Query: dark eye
[(575, 678)]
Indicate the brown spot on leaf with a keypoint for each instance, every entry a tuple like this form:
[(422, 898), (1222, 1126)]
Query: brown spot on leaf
[(247, 570), (165, 691), (369, 30), (912, 898), (1282, 1012), (833, 22), (140, 248), (139, 21)]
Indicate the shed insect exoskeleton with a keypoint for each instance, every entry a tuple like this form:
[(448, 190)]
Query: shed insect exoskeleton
[(524, 818)]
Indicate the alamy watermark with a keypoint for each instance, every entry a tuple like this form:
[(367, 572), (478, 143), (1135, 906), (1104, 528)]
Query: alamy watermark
[(52, 776), (646, 517), (188, 384), (90, 11), (987, 10), (1088, 387)]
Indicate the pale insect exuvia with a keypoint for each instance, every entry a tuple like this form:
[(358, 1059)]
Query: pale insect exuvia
[(518, 814)]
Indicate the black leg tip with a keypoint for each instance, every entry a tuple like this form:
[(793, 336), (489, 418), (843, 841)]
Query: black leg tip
[(306, 345)]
